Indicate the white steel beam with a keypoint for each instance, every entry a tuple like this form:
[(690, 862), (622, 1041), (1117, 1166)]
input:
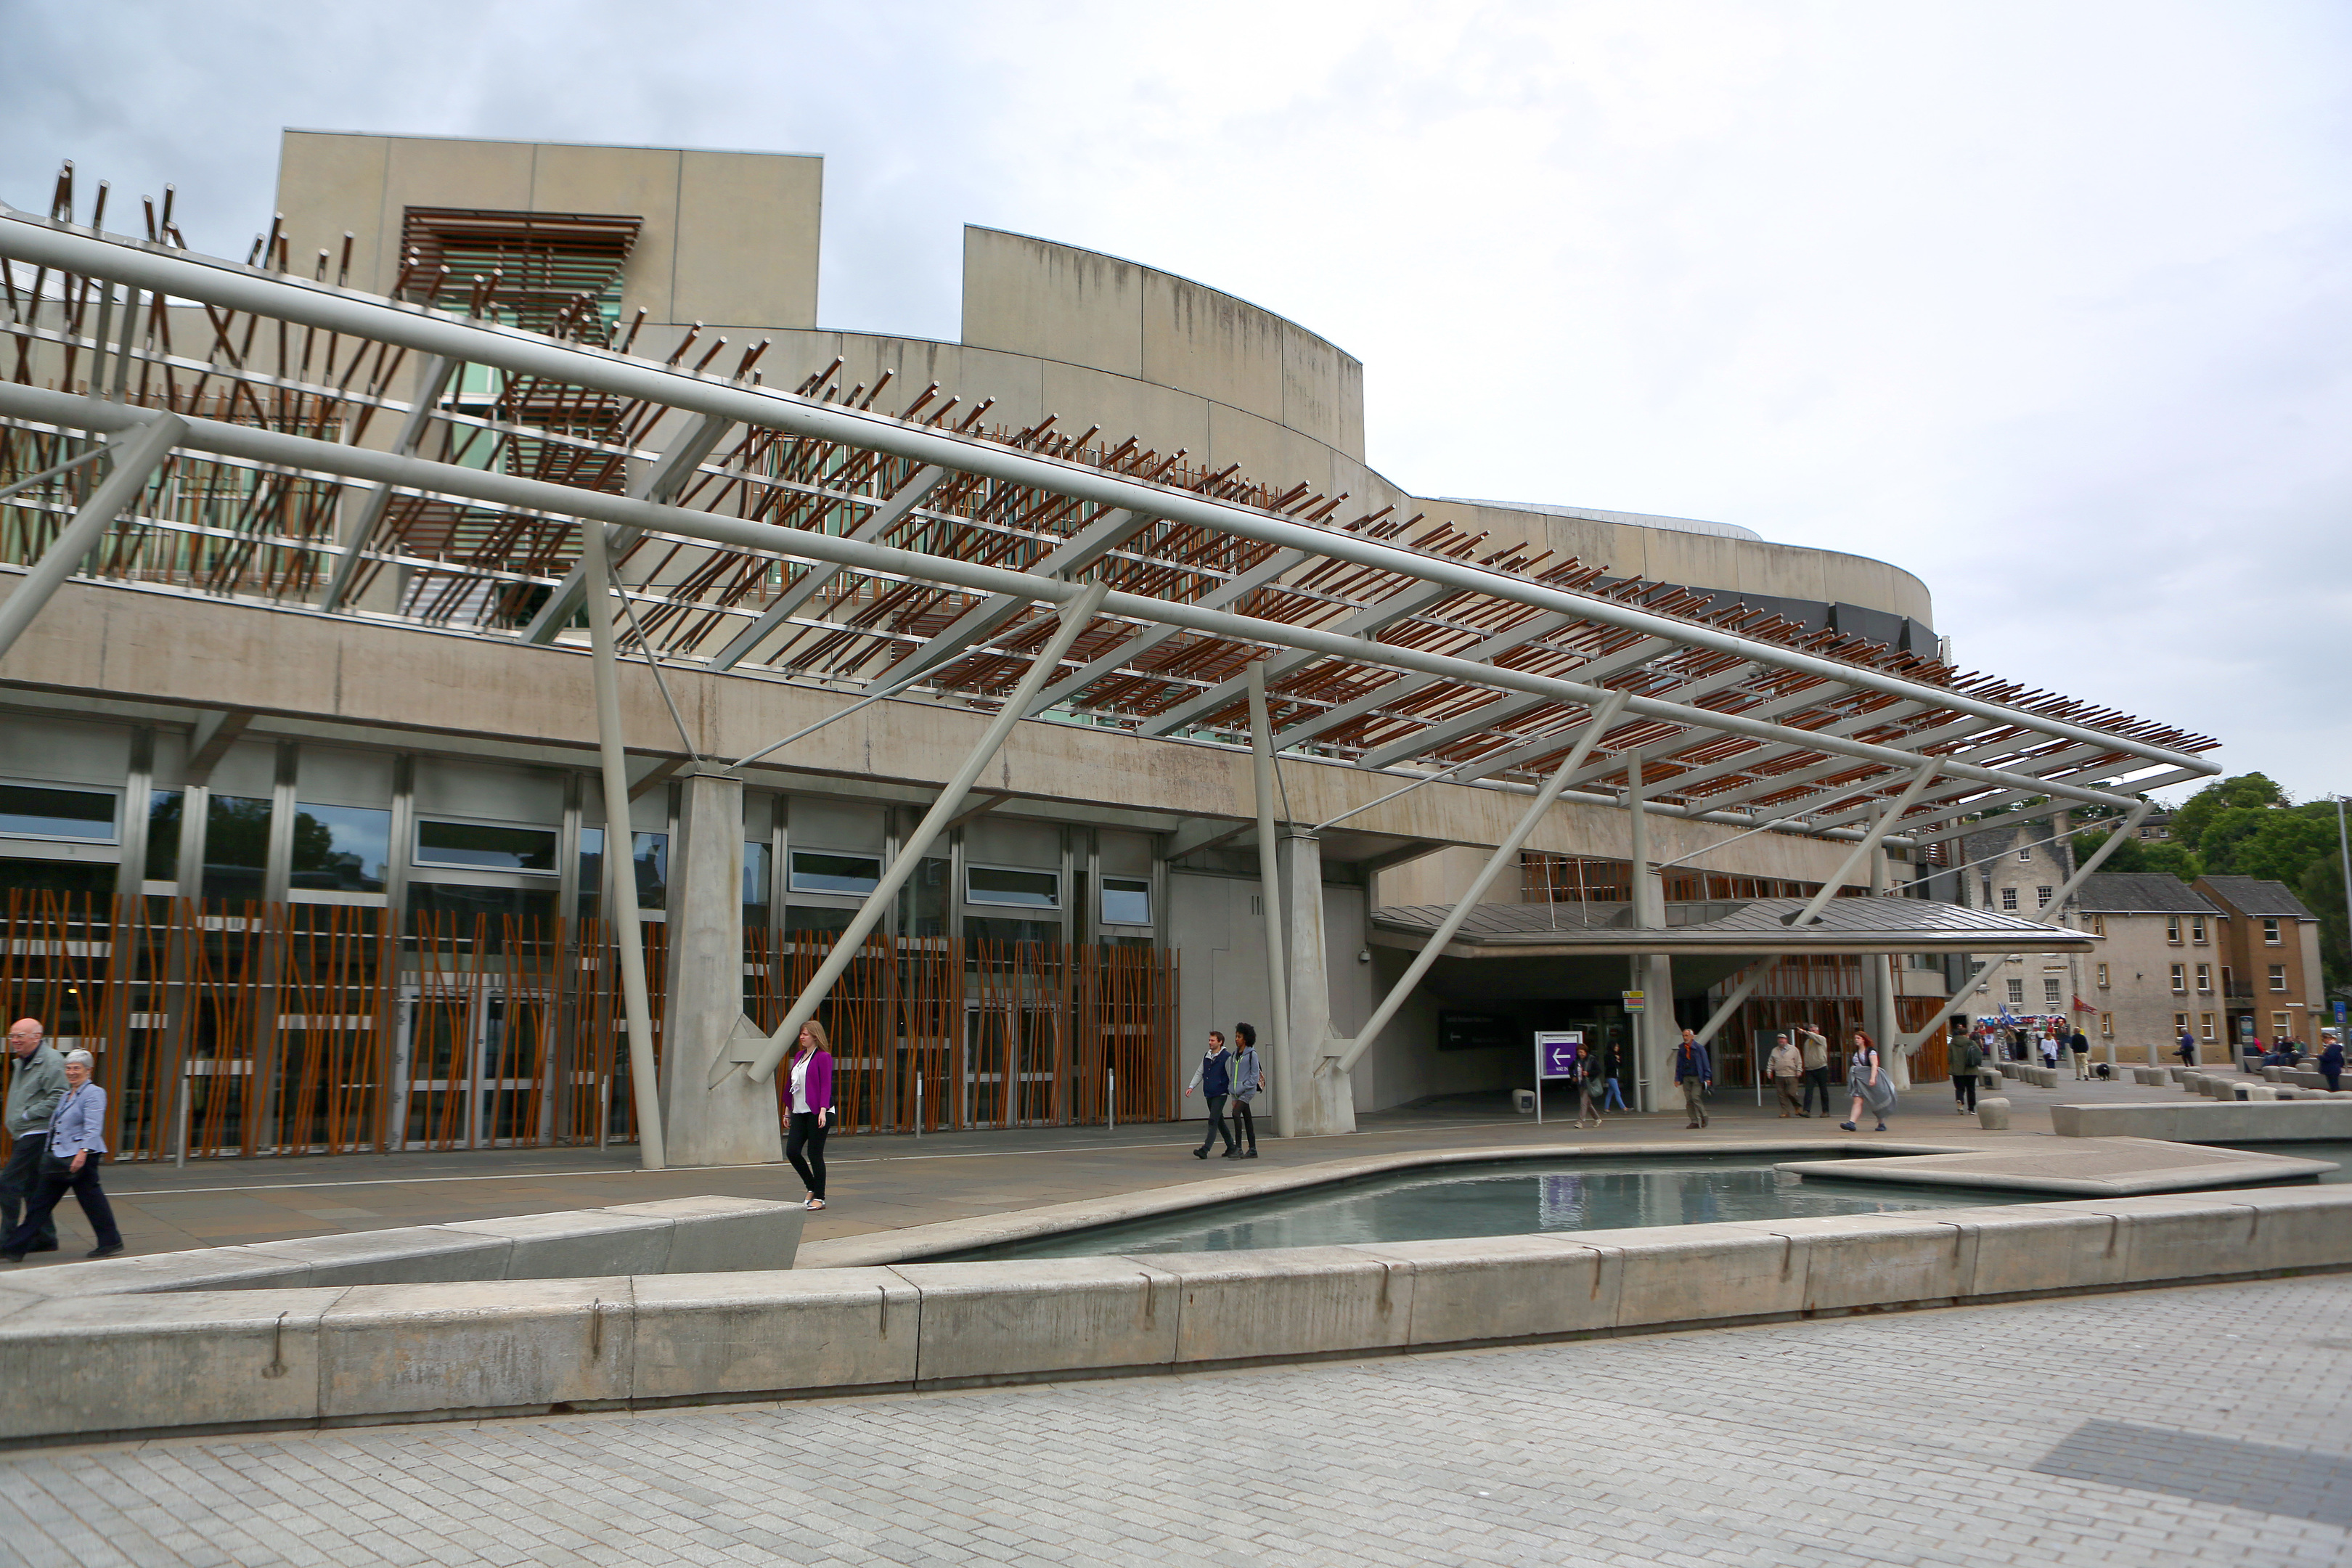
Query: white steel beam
[(786, 604), (1288, 1080), (137, 454), (431, 379), (659, 483), (276, 295)]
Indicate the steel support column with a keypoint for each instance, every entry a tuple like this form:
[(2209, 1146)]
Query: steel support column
[(1289, 1076)]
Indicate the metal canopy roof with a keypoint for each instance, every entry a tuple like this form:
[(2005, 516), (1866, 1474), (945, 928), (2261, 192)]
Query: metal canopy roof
[(1853, 925), (814, 535)]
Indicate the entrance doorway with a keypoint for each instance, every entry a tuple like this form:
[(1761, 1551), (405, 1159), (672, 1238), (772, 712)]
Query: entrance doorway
[(472, 1069)]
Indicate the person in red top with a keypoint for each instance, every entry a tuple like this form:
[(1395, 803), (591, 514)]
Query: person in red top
[(811, 1076)]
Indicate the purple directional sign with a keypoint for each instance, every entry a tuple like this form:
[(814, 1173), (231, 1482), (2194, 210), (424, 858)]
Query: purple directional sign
[(1557, 1051)]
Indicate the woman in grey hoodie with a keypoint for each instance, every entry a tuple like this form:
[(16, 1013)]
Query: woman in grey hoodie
[(1249, 1082)]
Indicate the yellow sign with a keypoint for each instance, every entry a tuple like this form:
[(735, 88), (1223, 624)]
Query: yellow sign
[(1635, 1000)]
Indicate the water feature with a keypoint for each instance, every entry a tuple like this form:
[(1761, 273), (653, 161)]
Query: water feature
[(1502, 1199)]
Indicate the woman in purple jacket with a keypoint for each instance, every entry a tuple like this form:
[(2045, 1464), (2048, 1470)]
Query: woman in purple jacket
[(812, 1114)]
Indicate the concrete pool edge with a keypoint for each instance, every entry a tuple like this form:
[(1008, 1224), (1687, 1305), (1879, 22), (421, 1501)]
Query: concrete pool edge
[(944, 1238), (134, 1367)]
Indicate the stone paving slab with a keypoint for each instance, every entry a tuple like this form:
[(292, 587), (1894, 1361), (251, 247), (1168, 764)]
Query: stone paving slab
[(2109, 1430), (2081, 1167)]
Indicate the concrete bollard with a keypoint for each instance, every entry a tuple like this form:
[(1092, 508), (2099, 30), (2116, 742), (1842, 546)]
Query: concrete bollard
[(2261, 1091), (1987, 1082), (1993, 1114)]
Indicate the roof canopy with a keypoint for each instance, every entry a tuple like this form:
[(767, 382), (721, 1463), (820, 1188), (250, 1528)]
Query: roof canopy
[(825, 535), (1855, 925)]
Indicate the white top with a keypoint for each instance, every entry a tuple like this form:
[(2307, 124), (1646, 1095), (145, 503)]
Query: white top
[(799, 1084)]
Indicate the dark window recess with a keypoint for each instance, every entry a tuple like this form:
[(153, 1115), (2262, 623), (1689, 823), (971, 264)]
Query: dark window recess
[(164, 809), (923, 901), (342, 848), (1020, 890), (450, 908), (42, 812), (1126, 901), (980, 927), (56, 876), (830, 871), (802, 920), (545, 261), (485, 848), (236, 846), (649, 851)]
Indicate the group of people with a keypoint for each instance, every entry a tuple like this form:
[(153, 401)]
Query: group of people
[(1227, 1077), (1805, 1061), (57, 1117), (2023, 1039)]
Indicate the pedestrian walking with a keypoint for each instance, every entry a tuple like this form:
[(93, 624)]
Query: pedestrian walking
[(1214, 1078), (1696, 1074), (2331, 1065), (1868, 1081), (812, 1108), (1249, 1082), (1815, 1047), (76, 1146), (1787, 1066), (1584, 1071), (2079, 1044), (35, 1087), (2187, 1049), (1967, 1062), (1613, 1057)]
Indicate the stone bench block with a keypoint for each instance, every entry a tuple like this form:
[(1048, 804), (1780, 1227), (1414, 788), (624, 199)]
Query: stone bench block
[(2178, 1236), (1688, 1273), (2040, 1247), (1285, 1301), (156, 1361), (575, 1244), (420, 1254), (1860, 1260), (782, 1331), (1503, 1287), (1992, 1113), (2304, 1227), (500, 1345), (2261, 1091), (1040, 1315), (720, 1235), (2322, 1118)]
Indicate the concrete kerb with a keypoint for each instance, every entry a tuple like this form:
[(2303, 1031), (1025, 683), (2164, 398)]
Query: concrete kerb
[(147, 1364), (2325, 1118)]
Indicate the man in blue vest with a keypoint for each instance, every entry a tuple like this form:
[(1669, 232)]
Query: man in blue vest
[(1214, 1078), (1696, 1075)]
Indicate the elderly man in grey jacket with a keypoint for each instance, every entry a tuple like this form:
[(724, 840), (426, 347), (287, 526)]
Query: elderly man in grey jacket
[(35, 1085)]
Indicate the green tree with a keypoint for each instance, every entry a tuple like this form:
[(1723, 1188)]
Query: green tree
[(2138, 855), (2244, 790), (2321, 889)]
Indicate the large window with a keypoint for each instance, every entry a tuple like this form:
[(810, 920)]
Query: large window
[(50, 811), (2197, 928), (2278, 976), (648, 854), (2054, 992), (486, 846), (2102, 977), (2204, 977), (835, 871), (342, 848), (2008, 898), (2172, 929), (163, 807), (2042, 898), (1126, 901), (236, 846), (755, 882), (1012, 888), (2270, 931), (2181, 977), (2108, 1026), (2017, 993)]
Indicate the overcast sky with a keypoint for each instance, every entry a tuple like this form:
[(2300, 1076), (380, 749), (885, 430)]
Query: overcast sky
[(2045, 302)]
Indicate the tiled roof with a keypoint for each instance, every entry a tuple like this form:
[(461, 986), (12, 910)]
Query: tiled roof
[(2254, 896), (2141, 893)]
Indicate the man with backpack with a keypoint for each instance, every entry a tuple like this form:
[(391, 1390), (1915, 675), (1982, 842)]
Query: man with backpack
[(1968, 1062)]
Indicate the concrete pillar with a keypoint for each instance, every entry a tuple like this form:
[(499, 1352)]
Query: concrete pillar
[(734, 1124), (1321, 1102)]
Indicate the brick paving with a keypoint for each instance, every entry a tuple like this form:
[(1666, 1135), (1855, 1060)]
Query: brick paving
[(2109, 1430)]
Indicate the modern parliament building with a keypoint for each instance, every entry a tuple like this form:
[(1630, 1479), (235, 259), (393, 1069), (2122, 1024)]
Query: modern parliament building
[(1023, 706)]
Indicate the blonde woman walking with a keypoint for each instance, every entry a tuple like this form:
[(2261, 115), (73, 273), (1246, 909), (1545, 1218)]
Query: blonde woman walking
[(812, 1108)]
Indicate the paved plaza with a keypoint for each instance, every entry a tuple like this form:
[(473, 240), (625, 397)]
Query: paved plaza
[(2102, 1429)]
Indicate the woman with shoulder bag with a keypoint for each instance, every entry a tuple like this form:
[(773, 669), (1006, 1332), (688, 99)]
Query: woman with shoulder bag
[(812, 1112), (77, 1145), (1868, 1081)]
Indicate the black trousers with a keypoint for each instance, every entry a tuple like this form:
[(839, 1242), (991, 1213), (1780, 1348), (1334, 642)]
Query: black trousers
[(1245, 1125), (1964, 1088), (1217, 1127), (1817, 1081), (55, 1182), (805, 1147), (20, 1188)]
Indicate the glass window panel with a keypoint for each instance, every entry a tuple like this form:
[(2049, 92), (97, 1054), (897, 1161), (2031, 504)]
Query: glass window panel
[(56, 876), (236, 846), (648, 851), (830, 871), (755, 872), (43, 811), (484, 847), (1020, 890), (1126, 901), (923, 901), (164, 835), (344, 849)]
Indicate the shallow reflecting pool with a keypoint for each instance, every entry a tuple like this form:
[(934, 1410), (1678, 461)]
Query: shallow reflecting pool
[(1500, 1200), (2339, 1152)]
